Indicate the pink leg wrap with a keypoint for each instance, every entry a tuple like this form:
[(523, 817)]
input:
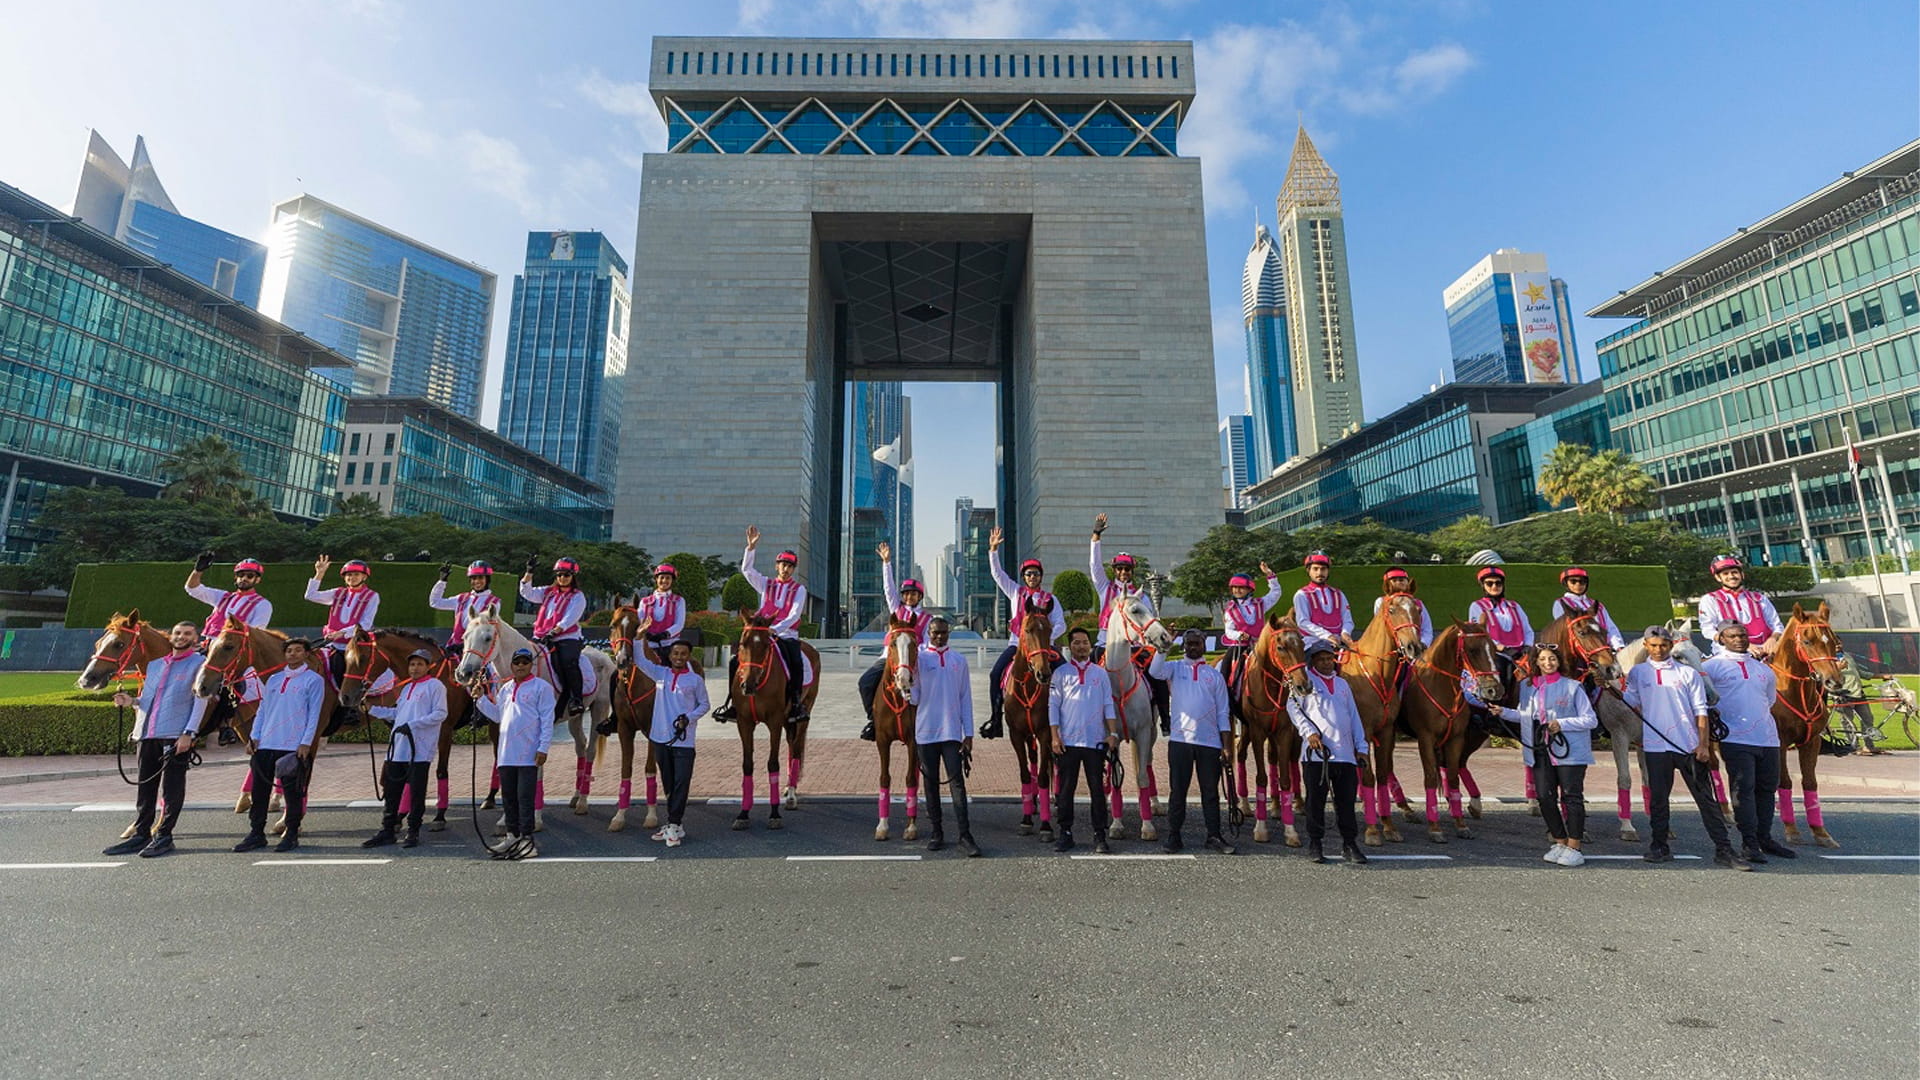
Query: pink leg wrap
[(1786, 806), (1393, 784), (1473, 789), (583, 777), (653, 790), (1285, 798), (1532, 792), (1626, 804), (539, 794), (1260, 804), (1814, 817), (1153, 783), (279, 787), (913, 802), (1115, 802), (1385, 795), (1027, 790), (1720, 792), (1453, 796), (1146, 806), (773, 787), (886, 803), (440, 794), (793, 773), (626, 794), (493, 783), (406, 799), (247, 784), (746, 791), (1367, 805), (1046, 802), (1240, 771), (1433, 807)]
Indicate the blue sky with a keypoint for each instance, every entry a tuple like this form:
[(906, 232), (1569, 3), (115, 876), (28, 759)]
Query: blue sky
[(1615, 137)]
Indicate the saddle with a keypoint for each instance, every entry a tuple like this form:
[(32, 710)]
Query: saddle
[(589, 678)]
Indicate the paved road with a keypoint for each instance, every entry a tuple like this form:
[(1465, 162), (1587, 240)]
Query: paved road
[(724, 958)]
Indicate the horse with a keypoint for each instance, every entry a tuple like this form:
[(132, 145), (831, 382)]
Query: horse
[(1807, 668), (1373, 669), (1026, 716), (758, 688), (893, 716), (632, 713), (1625, 730), (1435, 709), (488, 642), (1131, 622), (239, 651), (1275, 667), (369, 658)]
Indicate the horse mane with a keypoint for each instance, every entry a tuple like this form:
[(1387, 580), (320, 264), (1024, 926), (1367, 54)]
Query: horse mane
[(407, 635), (1444, 638)]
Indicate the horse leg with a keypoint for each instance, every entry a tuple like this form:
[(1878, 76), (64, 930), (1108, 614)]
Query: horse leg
[(1623, 781), (1044, 791), (440, 781), (1027, 776), (913, 793), (1451, 761), (619, 821), (1430, 774), (773, 775), (1289, 790), (1473, 790), (245, 802), (1143, 767), (1116, 804), (1240, 773), (1810, 792), (796, 757), (1370, 809), (653, 789), (1154, 802), (1399, 796), (1260, 833), (1533, 795), (884, 745), (746, 773)]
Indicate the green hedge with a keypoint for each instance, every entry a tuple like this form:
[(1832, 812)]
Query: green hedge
[(158, 589), (68, 722), (1636, 596)]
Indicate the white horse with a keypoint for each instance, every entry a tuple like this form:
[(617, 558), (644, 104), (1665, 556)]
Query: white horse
[(1131, 622), (1624, 728), (485, 648)]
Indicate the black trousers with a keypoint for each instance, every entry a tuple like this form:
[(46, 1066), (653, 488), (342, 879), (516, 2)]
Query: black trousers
[(1344, 778), (1563, 798), (675, 761), (1661, 765), (870, 684), (1092, 760), (516, 795), (995, 692), (564, 657), (396, 777), (294, 790), (168, 782), (1233, 668), (1183, 759), (1753, 774), (933, 758)]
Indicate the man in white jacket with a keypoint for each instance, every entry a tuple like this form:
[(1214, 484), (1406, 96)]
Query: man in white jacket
[(419, 709)]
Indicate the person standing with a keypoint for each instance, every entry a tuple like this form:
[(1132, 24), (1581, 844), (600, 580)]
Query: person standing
[(284, 728), (1734, 602), (1333, 750), (1321, 610), (1746, 688), (524, 707), (1201, 738), (419, 709), (943, 731), (1673, 705), (1242, 617), (1025, 596), (1083, 723), (167, 718), (1577, 602), (679, 701), (556, 625), (1556, 722), (903, 604)]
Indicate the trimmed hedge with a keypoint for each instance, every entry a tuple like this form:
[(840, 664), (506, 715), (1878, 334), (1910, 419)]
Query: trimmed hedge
[(68, 722), (1636, 596), (158, 589)]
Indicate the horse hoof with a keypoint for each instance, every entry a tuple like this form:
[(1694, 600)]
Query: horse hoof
[(792, 799), (492, 803), (1821, 838), (1260, 833), (127, 833), (1392, 834), (1299, 804), (652, 821), (1372, 836), (880, 831), (539, 821), (278, 828), (1533, 808), (437, 825), (1159, 808), (1246, 807), (740, 823), (1436, 836), (1726, 811), (1412, 818), (913, 830), (1292, 838), (1473, 808), (1026, 827), (580, 808), (243, 804), (1116, 831), (1629, 834), (775, 823), (1463, 832), (619, 822), (1046, 834), (1147, 831)]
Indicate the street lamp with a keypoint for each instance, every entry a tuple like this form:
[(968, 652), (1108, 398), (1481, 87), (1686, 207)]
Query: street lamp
[(1157, 588)]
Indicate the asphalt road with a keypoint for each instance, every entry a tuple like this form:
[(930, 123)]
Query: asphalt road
[(725, 958)]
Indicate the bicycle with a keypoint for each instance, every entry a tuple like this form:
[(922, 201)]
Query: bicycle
[(1853, 721)]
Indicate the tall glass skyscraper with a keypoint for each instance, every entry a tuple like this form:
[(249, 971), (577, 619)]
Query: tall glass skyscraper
[(415, 320), (1319, 300), (128, 203), (1509, 321), (881, 508), (1236, 456), (567, 352), (1263, 304)]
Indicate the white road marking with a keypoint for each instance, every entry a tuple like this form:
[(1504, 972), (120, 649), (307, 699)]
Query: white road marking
[(58, 865), (853, 858), (366, 804), (1632, 858), (1139, 858), (1413, 858), (1873, 858), (321, 862), (595, 858), (104, 808)]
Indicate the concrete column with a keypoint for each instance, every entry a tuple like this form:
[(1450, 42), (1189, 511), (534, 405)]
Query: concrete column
[(1896, 536)]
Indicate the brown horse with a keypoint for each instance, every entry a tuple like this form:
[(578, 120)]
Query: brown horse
[(893, 714), (759, 693), (1373, 669), (1435, 709), (1026, 715), (371, 656), (1276, 666), (1807, 667), (238, 651), (632, 713)]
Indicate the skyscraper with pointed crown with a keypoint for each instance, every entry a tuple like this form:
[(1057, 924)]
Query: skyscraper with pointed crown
[(1319, 300)]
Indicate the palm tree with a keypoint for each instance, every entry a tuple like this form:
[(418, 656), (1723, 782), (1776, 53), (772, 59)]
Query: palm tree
[(1562, 475), (360, 505), (1609, 482), (207, 470)]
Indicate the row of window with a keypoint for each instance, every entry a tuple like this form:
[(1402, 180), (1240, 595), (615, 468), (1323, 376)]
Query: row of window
[(941, 65), (362, 473), (1769, 518), (958, 129), (1892, 416)]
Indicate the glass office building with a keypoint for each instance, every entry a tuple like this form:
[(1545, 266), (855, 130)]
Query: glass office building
[(879, 414), (1484, 321), (418, 458), (1263, 308), (416, 321), (1748, 365), (567, 354), (1516, 456), (1417, 468), (128, 203), (1236, 457), (109, 361)]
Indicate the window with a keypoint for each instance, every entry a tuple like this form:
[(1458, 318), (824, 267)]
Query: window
[(353, 443), (349, 480), (386, 473), (389, 448)]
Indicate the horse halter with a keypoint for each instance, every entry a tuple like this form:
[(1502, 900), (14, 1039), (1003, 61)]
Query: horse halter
[(232, 670), (1581, 652), (1138, 629), (125, 660), (618, 641), (361, 639)]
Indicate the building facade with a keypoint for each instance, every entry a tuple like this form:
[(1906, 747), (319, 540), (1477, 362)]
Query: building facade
[(1508, 320), (1517, 455), (1749, 365), (1007, 211), (1421, 466), (128, 203), (109, 361), (979, 604), (416, 321), (1237, 436), (880, 415), (567, 354), (1319, 301), (1263, 306), (416, 457)]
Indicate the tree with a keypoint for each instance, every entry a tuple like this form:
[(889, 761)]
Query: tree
[(359, 505), (690, 580), (1227, 550), (1609, 482), (1074, 589), (718, 568), (208, 472), (1561, 475), (1455, 542), (738, 594)]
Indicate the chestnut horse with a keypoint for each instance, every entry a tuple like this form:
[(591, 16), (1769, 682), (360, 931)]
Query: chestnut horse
[(1026, 715), (759, 693), (370, 657), (1807, 667), (1435, 709), (237, 652), (893, 714), (632, 714), (1275, 666), (1373, 669)]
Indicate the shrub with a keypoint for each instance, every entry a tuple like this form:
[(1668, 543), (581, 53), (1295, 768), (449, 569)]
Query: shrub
[(738, 594), (67, 722), (1074, 589)]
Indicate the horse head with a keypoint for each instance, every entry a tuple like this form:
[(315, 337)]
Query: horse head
[(1403, 624), (1036, 639), (1591, 645), (756, 635), (477, 645), (1812, 644), (623, 626), (1474, 650), (116, 651), (1136, 623), (226, 651), (1282, 645), (903, 651)]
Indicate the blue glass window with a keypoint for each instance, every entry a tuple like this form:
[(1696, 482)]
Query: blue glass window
[(1107, 132), (923, 148), (811, 130), (1034, 132), (886, 131), (998, 148), (960, 132), (1168, 132), (738, 130), (848, 147)]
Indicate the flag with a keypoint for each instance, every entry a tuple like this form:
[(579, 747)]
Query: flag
[(1853, 455)]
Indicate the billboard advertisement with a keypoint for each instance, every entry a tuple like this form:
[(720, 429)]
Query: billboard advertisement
[(1539, 328)]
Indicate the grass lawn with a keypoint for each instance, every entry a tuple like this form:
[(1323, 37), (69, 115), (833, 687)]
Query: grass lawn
[(18, 684)]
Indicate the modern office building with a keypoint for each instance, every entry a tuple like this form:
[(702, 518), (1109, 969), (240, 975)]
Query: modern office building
[(978, 604), (1237, 436), (1517, 455), (419, 458), (1263, 305), (1421, 466), (415, 320), (1748, 364), (567, 355), (128, 203), (879, 416), (1319, 301), (837, 210), (1508, 321), (110, 360)]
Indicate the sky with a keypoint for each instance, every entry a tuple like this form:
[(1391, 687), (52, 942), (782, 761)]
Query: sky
[(1617, 138)]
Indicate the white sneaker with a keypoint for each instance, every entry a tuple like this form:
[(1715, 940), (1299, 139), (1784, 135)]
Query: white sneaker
[(676, 835), (1553, 853), (1572, 857), (666, 832)]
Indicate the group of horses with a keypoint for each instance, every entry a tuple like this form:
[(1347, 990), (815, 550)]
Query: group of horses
[(1402, 690)]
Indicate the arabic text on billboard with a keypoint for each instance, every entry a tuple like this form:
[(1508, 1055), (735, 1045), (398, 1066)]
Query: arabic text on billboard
[(1539, 328)]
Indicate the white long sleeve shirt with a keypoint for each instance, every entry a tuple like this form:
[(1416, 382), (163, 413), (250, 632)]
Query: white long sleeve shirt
[(674, 693), (524, 710), (897, 606), (1571, 604), (1109, 590), (1670, 699), (560, 618), (289, 712), (1316, 602), (248, 606), (1196, 698), (784, 601), (1746, 687), (1748, 608), (1241, 619), (1080, 702), (348, 610), (465, 605), (1018, 593), (1555, 698), (943, 698), (1328, 710), (421, 707), (167, 707), (1506, 621), (1426, 621)]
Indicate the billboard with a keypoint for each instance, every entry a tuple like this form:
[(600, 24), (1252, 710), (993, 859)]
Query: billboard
[(1539, 328)]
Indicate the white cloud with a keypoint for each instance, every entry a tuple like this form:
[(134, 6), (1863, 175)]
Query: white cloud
[(1431, 71), (955, 18), (755, 13), (631, 100)]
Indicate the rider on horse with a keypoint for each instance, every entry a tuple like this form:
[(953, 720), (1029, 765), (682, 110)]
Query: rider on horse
[(664, 610), (1111, 591), (1242, 616), (1734, 602), (1507, 625), (784, 601), (556, 625), (350, 612), (1577, 602), (1027, 593), (477, 600), (1320, 610), (244, 603), (905, 604)]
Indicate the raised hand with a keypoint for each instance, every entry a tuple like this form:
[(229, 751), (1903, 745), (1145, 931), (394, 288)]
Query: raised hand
[(1099, 525), (320, 566), (994, 538), (1265, 570), (202, 561), (885, 551), (446, 570), (533, 563), (753, 537)]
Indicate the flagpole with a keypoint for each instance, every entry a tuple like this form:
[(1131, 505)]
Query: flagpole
[(1896, 538), (1873, 549)]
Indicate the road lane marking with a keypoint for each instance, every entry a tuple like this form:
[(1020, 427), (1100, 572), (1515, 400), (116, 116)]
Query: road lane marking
[(1632, 858), (1872, 858), (853, 858), (104, 808), (1144, 857), (1413, 858), (367, 804), (321, 862), (594, 858), (58, 865)]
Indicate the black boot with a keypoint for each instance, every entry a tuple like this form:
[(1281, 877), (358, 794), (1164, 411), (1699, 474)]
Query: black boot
[(289, 842), (1315, 853), (867, 734), (380, 839), (1352, 853), (132, 845), (995, 727), (967, 845), (412, 838), (162, 845), (939, 841), (254, 841), (726, 713), (609, 726)]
